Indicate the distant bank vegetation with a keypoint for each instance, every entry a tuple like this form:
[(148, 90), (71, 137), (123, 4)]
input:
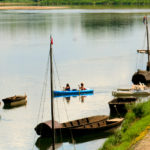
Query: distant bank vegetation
[(81, 2)]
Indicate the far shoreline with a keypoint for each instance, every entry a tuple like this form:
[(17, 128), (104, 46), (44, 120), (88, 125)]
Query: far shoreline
[(32, 7)]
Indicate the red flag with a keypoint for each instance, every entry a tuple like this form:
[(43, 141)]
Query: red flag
[(51, 41), (144, 19)]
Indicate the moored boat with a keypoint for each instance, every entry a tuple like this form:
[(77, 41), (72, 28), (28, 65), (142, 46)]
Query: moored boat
[(118, 105), (143, 76), (80, 126), (15, 101)]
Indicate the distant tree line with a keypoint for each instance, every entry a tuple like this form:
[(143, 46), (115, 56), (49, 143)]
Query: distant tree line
[(82, 2)]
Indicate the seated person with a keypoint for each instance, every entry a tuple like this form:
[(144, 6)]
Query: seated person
[(82, 87), (67, 88)]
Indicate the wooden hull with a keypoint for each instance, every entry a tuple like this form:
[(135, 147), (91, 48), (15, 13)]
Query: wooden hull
[(82, 126), (118, 105), (141, 77), (14, 101), (131, 93), (15, 104)]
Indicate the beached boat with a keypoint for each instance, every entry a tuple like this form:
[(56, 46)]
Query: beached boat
[(118, 105), (15, 101), (143, 76), (72, 93)]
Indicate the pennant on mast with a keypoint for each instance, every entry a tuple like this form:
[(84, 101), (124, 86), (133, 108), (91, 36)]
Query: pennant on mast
[(51, 41), (144, 19)]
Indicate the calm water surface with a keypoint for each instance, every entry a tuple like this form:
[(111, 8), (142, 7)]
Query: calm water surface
[(97, 47)]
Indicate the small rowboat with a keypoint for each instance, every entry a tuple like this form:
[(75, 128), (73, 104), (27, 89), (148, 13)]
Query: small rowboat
[(78, 127), (15, 101), (72, 93), (118, 105)]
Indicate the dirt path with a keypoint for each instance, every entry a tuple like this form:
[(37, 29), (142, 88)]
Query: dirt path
[(143, 144)]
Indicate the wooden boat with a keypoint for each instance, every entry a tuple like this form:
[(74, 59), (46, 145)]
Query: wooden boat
[(143, 76), (15, 101), (131, 92), (118, 105), (72, 93), (80, 126)]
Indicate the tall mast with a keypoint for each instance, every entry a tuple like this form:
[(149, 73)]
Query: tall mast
[(148, 63), (52, 96)]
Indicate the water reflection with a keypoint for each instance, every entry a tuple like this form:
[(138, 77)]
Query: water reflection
[(46, 143), (81, 97)]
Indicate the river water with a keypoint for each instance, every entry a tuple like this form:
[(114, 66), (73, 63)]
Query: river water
[(97, 47)]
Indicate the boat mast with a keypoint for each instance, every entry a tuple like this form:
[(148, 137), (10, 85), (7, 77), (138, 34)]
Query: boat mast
[(52, 95), (148, 63)]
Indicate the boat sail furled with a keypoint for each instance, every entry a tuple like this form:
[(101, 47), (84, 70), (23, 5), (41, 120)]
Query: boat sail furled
[(143, 76)]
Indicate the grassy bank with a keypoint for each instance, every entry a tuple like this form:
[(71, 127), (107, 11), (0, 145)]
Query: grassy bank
[(136, 121), (81, 2)]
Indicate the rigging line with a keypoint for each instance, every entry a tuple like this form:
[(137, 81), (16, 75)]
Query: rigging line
[(144, 39), (59, 121), (142, 61), (57, 72), (43, 89), (69, 129), (58, 117), (44, 95), (61, 138), (136, 62)]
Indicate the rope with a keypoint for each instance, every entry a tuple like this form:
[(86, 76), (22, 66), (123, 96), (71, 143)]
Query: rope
[(41, 108), (61, 137), (58, 117), (63, 103), (73, 141), (57, 72)]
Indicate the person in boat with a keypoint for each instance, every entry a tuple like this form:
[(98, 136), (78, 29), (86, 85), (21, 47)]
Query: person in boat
[(81, 87), (67, 88)]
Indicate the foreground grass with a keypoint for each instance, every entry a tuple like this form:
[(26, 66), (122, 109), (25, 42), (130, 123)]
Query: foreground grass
[(136, 121)]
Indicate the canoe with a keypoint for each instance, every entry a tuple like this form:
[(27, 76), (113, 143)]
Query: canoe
[(80, 126), (72, 93)]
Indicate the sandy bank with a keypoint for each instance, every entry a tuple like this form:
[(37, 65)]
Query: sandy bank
[(32, 7)]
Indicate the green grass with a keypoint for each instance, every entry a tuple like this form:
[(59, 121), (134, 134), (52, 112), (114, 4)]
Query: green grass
[(136, 121), (83, 2)]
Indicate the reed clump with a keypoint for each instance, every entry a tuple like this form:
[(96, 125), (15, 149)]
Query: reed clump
[(136, 121)]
